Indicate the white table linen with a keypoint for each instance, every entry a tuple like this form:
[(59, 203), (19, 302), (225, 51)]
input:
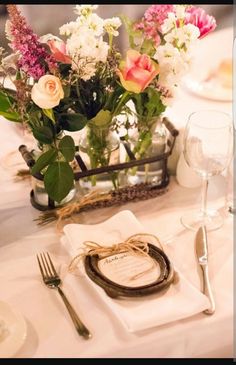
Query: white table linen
[(50, 331)]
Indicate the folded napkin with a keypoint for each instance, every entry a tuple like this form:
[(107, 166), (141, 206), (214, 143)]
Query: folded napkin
[(181, 300)]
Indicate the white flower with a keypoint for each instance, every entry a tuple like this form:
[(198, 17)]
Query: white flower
[(47, 92), (48, 37), (169, 23), (69, 28), (172, 65), (182, 37), (180, 11), (95, 23), (85, 44), (191, 31), (92, 22), (11, 60), (111, 25), (85, 68), (85, 10)]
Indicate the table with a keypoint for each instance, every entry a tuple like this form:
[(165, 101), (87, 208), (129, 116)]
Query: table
[(49, 330)]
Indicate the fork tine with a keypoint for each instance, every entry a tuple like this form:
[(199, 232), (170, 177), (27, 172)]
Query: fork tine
[(40, 267), (46, 272), (52, 266), (48, 269)]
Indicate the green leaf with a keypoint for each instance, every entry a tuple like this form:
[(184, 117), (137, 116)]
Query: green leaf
[(148, 47), (73, 122), (102, 118), (5, 108), (50, 114), (154, 104), (4, 101), (13, 117), (58, 180), (67, 148), (43, 134), (44, 160)]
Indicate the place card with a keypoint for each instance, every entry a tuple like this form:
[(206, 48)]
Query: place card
[(127, 274), (130, 270)]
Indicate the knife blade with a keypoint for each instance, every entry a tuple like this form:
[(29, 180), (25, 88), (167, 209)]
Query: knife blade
[(201, 248)]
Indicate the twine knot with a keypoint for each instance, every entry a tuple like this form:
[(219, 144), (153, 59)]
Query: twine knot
[(136, 244)]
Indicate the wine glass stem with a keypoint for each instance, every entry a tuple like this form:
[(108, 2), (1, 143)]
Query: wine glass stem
[(204, 196)]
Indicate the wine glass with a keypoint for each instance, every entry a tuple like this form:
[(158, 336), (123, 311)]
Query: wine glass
[(208, 149)]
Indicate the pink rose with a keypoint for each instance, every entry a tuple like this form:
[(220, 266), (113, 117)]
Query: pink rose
[(199, 18), (57, 47), (137, 71)]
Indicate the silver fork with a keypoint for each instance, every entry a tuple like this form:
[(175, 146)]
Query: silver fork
[(53, 281)]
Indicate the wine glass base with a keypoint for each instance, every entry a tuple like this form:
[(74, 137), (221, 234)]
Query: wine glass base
[(195, 219)]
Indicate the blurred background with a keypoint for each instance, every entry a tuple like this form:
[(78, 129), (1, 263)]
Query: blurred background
[(48, 18)]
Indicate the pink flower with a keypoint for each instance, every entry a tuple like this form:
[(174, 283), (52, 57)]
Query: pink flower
[(57, 47), (58, 50), (137, 71), (152, 20), (158, 13), (198, 17)]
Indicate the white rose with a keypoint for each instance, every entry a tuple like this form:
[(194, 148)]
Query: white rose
[(48, 92)]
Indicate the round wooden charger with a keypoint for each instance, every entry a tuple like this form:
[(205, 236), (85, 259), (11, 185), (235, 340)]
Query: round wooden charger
[(114, 290)]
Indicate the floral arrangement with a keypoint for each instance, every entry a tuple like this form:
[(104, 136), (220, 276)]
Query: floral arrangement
[(84, 81), (165, 37)]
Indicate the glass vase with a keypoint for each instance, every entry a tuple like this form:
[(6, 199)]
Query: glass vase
[(148, 140), (99, 147), (41, 196)]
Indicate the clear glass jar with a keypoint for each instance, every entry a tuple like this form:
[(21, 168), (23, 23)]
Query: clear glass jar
[(149, 140), (99, 147), (41, 196)]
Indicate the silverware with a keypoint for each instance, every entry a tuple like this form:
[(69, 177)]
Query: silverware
[(202, 256), (53, 281)]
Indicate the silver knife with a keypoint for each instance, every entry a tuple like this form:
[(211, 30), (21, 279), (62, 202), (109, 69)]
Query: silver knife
[(202, 256)]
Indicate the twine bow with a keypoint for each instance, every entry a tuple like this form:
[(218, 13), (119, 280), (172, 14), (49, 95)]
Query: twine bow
[(133, 245)]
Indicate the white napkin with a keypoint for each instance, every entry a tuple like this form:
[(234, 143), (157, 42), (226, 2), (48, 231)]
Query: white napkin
[(181, 300)]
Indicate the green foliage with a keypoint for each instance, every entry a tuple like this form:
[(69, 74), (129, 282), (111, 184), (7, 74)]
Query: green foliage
[(50, 114), (144, 142), (103, 118), (67, 148), (44, 160), (43, 134), (6, 108), (72, 122), (58, 180), (148, 103), (147, 47)]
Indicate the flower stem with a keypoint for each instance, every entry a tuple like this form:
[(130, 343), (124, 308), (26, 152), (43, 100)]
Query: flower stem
[(116, 111), (110, 42)]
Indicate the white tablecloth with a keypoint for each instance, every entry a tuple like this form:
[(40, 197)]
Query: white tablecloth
[(50, 332)]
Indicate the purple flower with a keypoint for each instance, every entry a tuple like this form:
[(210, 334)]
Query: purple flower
[(35, 61)]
